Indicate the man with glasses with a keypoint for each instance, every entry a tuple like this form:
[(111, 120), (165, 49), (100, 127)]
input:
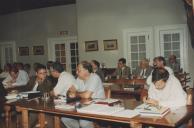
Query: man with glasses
[(122, 71)]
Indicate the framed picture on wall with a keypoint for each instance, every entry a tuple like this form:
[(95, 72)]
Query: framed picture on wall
[(110, 44), (91, 45), (23, 51), (38, 50)]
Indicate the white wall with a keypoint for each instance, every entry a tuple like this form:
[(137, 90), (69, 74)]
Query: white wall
[(34, 27), (105, 19)]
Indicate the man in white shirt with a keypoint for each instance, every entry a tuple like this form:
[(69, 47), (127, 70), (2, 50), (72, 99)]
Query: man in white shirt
[(89, 85), (159, 62), (16, 78), (66, 81), (165, 90)]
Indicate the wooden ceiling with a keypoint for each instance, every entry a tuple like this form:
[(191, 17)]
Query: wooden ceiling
[(11, 6)]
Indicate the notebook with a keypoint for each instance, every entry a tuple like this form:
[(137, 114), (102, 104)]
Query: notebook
[(148, 110)]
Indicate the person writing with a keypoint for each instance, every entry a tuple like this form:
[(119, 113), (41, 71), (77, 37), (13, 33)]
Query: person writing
[(165, 90)]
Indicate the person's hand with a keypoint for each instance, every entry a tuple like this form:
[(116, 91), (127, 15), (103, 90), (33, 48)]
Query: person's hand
[(71, 94), (151, 102)]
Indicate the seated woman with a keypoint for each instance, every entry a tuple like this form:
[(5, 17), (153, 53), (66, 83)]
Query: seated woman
[(16, 78), (165, 90)]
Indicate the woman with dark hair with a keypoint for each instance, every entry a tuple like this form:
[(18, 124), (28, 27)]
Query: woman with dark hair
[(165, 90), (96, 69)]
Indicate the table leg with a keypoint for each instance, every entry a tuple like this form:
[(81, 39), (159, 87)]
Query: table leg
[(41, 119), (134, 124), (57, 122), (7, 109), (25, 122)]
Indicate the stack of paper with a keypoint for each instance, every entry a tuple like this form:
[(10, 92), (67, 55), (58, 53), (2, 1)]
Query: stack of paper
[(100, 109), (64, 106), (148, 110), (126, 113)]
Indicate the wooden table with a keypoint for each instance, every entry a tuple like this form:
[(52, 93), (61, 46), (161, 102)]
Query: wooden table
[(126, 88), (172, 119)]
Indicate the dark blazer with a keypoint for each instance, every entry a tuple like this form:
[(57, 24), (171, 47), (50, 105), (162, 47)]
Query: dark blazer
[(147, 73), (45, 86), (100, 73), (125, 73)]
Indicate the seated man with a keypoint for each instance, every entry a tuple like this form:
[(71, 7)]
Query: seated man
[(40, 82), (159, 62), (174, 64), (16, 78), (143, 70), (66, 81), (89, 85), (122, 70), (96, 69), (163, 89)]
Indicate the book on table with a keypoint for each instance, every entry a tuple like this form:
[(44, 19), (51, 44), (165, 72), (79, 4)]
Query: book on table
[(149, 110)]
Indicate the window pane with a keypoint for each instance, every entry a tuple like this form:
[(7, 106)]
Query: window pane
[(62, 46), (133, 39), (62, 53), (63, 59), (57, 46), (134, 56), (72, 46), (134, 48), (57, 53), (134, 64), (177, 53), (142, 55), (73, 66), (167, 37), (167, 53), (73, 59), (72, 52), (142, 47), (167, 46), (175, 37), (141, 39), (176, 45)]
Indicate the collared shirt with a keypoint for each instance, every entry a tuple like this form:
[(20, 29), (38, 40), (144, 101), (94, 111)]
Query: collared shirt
[(93, 84), (172, 95), (22, 79), (65, 81)]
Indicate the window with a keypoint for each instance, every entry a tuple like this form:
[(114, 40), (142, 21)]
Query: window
[(137, 45)]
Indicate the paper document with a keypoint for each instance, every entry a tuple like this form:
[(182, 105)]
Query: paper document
[(64, 106), (100, 109), (126, 113), (11, 96)]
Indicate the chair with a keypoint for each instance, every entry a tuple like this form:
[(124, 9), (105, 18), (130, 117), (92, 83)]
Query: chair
[(184, 78)]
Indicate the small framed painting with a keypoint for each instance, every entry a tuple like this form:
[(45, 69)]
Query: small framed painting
[(38, 50), (23, 51), (110, 44), (91, 45)]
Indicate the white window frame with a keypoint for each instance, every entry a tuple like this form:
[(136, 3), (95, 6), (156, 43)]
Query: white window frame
[(67, 41), (183, 46), (13, 44), (149, 44)]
